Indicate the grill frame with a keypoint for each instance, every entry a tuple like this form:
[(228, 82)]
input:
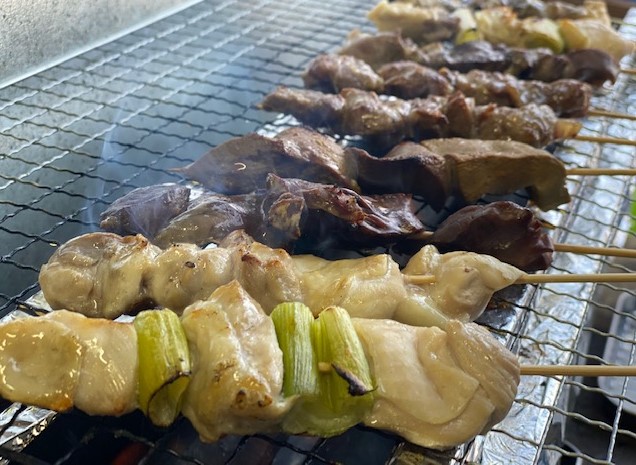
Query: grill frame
[(81, 134)]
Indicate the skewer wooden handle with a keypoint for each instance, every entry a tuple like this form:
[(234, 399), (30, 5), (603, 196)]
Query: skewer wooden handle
[(606, 251), (628, 71), (610, 114), (600, 171), (578, 370), (606, 140), (546, 278)]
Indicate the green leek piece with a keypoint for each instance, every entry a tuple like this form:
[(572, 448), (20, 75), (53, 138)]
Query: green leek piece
[(164, 365), (344, 379), (542, 32), (293, 322), (468, 31)]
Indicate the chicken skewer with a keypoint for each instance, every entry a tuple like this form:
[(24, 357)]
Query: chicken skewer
[(244, 383), (105, 275), (433, 169), (387, 122), (501, 25), (409, 80), (589, 65)]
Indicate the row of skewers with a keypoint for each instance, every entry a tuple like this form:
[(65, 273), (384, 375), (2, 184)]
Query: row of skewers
[(299, 189)]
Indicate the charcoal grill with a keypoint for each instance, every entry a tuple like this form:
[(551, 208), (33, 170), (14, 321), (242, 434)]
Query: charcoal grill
[(79, 135)]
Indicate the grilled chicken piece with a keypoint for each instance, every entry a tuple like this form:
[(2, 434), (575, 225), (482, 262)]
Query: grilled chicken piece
[(437, 388), (107, 382), (387, 122), (237, 366), (83, 274), (422, 25), (382, 48), (65, 360), (40, 362)]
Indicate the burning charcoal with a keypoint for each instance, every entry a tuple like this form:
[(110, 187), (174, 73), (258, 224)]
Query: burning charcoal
[(145, 210)]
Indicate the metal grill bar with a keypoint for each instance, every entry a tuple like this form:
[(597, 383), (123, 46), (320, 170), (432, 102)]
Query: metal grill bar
[(78, 136)]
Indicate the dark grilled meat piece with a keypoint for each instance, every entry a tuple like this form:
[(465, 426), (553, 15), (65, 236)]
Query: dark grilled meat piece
[(241, 165), (382, 48), (332, 73), (210, 218), (287, 211), (145, 210), (504, 230), (332, 214), (588, 65), (385, 122), (566, 97), (408, 80)]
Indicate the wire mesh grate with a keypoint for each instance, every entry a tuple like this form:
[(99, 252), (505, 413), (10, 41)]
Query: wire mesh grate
[(76, 137)]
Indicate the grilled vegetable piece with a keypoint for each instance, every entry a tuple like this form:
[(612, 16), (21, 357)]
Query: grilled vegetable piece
[(293, 322), (343, 378), (164, 365)]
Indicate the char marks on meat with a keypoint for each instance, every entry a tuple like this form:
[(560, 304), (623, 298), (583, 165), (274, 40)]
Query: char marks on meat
[(145, 210)]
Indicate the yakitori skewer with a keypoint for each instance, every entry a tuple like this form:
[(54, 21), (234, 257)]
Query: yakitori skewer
[(578, 370), (546, 278)]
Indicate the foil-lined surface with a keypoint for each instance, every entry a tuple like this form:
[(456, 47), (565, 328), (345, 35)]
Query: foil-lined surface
[(542, 324)]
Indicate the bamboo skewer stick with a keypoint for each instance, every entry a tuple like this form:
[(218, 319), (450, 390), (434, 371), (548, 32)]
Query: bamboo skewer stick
[(578, 370), (601, 171), (561, 247), (546, 278), (610, 114), (630, 71), (605, 140), (606, 251)]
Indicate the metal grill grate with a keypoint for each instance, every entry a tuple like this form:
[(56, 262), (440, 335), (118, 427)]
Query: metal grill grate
[(80, 135)]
